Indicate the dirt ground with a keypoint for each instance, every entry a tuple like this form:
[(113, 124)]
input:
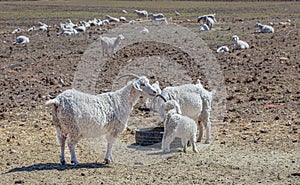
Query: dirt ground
[(256, 142)]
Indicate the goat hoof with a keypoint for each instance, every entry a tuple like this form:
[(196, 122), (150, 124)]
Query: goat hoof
[(76, 163), (107, 161), (207, 142), (62, 162)]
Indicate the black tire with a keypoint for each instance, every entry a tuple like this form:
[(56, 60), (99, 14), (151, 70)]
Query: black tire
[(152, 136)]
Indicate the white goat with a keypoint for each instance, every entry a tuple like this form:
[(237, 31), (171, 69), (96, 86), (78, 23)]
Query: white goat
[(222, 49), (43, 28), (239, 44), (31, 29), (21, 40), (208, 20), (264, 28), (204, 27), (156, 16), (141, 13), (110, 44), (177, 125), (123, 19), (111, 19), (81, 28), (195, 102), (17, 30), (78, 115), (69, 32), (160, 20)]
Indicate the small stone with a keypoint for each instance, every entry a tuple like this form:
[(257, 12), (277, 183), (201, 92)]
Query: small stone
[(264, 131), (19, 182)]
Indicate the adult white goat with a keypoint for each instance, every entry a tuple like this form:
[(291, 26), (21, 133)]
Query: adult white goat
[(207, 20), (78, 115), (111, 19), (21, 40), (141, 13), (239, 44), (195, 102), (177, 125), (264, 28), (109, 44), (156, 16)]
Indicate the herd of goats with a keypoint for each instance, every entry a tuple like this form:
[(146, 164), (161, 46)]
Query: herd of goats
[(183, 109)]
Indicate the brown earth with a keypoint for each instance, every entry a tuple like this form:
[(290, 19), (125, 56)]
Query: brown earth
[(257, 141)]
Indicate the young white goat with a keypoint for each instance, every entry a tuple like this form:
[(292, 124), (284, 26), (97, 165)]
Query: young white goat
[(204, 27), (264, 28), (109, 44), (195, 102), (177, 125), (17, 30), (222, 49), (78, 115), (239, 44)]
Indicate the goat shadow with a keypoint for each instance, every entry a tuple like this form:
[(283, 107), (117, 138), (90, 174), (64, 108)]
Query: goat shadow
[(56, 166), (155, 149)]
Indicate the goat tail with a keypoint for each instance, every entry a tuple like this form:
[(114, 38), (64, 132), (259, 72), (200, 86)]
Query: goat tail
[(54, 102)]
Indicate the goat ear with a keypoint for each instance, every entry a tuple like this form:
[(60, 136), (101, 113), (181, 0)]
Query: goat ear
[(137, 86)]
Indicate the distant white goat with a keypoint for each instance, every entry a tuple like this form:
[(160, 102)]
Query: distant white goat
[(124, 11), (177, 125), (132, 22), (43, 28), (82, 27), (204, 27), (18, 30), (109, 44), (78, 115), (160, 20), (21, 40), (239, 44), (195, 102), (69, 32), (31, 29), (207, 20), (156, 16), (141, 13), (222, 49), (112, 19), (123, 19), (264, 28)]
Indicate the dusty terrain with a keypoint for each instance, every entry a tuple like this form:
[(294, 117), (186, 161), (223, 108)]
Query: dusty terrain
[(257, 140)]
